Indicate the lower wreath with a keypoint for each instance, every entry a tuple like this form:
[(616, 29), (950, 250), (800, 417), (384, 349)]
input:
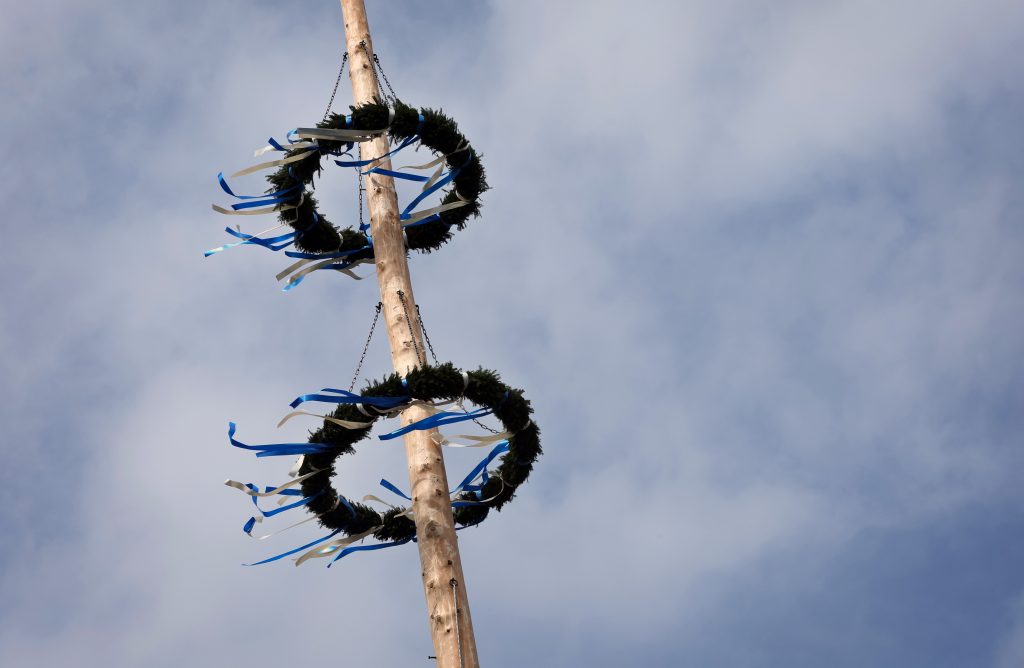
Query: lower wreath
[(427, 384)]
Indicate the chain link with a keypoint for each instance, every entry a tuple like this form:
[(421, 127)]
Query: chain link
[(344, 59), (361, 189), (380, 68), (366, 346), (458, 632), (426, 337), (420, 357)]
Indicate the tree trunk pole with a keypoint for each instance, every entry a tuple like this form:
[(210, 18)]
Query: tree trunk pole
[(451, 627)]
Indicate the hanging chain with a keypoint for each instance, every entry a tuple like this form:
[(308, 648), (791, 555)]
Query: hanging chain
[(458, 633), (426, 337), (361, 188), (366, 347), (408, 321), (344, 59), (380, 68)]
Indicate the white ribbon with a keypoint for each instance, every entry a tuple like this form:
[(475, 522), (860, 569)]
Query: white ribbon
[(426, 213), (347, 424), (253, 212), (345, 135), (274, 163), (276, 490), (291, 147), (475, 441)]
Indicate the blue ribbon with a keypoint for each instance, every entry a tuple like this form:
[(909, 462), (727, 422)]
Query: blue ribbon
[(279, 449), (224, 186), (298, 549), (482, 466), (428, 219), (274, 243), (407, 212), (287, 492), (436, 420), (347, 397), (362, 163), (392, 488), (289, 197), (399, 175), (464, 486), (367, 548), (295, 282), (323, 256)]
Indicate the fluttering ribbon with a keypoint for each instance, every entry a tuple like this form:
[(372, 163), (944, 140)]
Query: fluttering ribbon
[(345, 544), (274, 243), (346, 397), (226, 188), (436, 420), (305, 152), (279, 449), (362, 163), (345, 424), (343, 267), (474, 441)]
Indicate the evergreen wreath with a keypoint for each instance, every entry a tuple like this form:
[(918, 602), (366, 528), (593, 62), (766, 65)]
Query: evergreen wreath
[(436, 131), (430, 384)]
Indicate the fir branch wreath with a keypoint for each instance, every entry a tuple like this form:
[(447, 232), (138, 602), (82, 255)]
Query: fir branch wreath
[(431, 384), (428, 383), (434, 130)]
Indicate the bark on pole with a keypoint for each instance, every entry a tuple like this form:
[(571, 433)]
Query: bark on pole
[(451, 627)]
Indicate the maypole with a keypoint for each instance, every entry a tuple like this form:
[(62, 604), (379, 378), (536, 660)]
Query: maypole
[(424, 396), (451, 625)]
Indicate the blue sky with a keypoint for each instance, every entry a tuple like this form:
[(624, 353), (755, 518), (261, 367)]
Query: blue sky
[(758, 267)]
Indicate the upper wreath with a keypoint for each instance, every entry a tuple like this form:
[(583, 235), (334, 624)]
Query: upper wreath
[(314, 235)]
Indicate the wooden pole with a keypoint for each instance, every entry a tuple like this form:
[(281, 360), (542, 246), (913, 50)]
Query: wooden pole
[(451, 626)]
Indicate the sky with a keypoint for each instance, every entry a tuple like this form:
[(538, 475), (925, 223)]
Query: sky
[(758, 266)]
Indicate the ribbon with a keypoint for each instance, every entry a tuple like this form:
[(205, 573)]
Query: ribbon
[(333, 546), (362, 163), (254, 491), (273, 145), (298, 549), (306, 152), (475, 441), (436, 420), (279, 449), (367, 548), (329, 263), (253, 212), (481, 467), (390, 487), (274, 243), (347, 397), (346, 424), (428, 215), (224, 186), (344, 135)]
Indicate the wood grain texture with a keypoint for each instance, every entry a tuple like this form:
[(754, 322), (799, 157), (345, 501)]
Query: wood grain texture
[(454, 643)]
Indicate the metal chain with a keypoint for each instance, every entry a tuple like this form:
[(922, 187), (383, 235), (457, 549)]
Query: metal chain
[(359, 186), (344, 59), (458, 633), (408, 321), (426, 337), (366, 347), (380, 68)]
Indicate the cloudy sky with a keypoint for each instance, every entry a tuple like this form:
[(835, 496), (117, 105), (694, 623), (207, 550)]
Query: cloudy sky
[(759, 267)]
